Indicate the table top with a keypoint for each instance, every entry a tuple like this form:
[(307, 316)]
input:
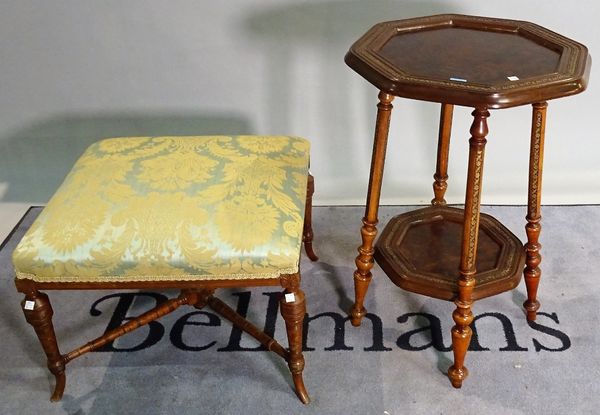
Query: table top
[(471, 61)]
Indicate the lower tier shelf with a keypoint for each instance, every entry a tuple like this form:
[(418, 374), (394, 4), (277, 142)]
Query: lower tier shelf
[(420, 252)]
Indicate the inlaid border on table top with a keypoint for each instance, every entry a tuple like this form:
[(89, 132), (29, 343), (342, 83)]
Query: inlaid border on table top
[(570, 78)]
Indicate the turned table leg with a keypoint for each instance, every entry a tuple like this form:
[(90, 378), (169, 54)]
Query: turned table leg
[(441, 171), (364, 261), (307, 233), (463, 316), (38, 312), (293, 310), (533, 258)]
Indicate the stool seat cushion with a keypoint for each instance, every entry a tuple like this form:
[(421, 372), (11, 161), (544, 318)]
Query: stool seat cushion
[(173, 208)]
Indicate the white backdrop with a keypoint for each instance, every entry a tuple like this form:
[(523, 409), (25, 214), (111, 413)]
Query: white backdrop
[(72, 71)]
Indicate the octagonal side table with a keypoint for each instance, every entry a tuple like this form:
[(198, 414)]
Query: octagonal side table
[(485, 63)]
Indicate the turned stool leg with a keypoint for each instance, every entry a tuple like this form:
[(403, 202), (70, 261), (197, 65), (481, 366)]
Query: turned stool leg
[(293, 309), (307, 234), (463, 317), (533, 258), (38, 312), (364, 261), (441, 171)]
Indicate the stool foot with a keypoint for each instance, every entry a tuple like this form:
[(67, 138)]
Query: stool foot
[(293, 309), (307, 234), (59, 388), (309, 252), (300, 388)]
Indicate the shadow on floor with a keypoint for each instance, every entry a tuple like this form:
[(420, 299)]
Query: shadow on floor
[(310, 88)]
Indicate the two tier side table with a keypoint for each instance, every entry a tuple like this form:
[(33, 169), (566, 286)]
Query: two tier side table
[(455, 254)]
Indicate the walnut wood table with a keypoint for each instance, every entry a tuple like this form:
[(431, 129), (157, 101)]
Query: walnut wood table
[(484, 63)]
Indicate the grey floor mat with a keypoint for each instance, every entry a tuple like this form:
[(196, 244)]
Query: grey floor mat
[(391, 365)]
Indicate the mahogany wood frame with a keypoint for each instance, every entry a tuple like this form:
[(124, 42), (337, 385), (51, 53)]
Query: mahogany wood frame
[(462, 316), (470, 61), (38, 312)]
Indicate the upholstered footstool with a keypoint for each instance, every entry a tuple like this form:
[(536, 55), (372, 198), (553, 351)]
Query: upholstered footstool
[(192, 213)]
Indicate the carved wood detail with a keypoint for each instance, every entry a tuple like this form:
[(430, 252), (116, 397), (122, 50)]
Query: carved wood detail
[(532, 272), (38, 312), (238, 321), (364, 261), (462, 315), (293, 309), (441, 172), (154, 314), (197, 293), (483, 63)]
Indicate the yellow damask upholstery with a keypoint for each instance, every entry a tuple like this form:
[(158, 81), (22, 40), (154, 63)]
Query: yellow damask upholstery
[(173, 208)]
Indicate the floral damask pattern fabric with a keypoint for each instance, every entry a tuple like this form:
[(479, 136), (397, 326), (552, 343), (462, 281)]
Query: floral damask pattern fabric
[(173, 208)]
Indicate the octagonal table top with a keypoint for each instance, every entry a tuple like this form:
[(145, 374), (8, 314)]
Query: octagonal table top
[(471, 61)]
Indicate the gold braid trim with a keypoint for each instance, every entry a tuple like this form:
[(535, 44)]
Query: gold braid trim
[(174, 277)]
